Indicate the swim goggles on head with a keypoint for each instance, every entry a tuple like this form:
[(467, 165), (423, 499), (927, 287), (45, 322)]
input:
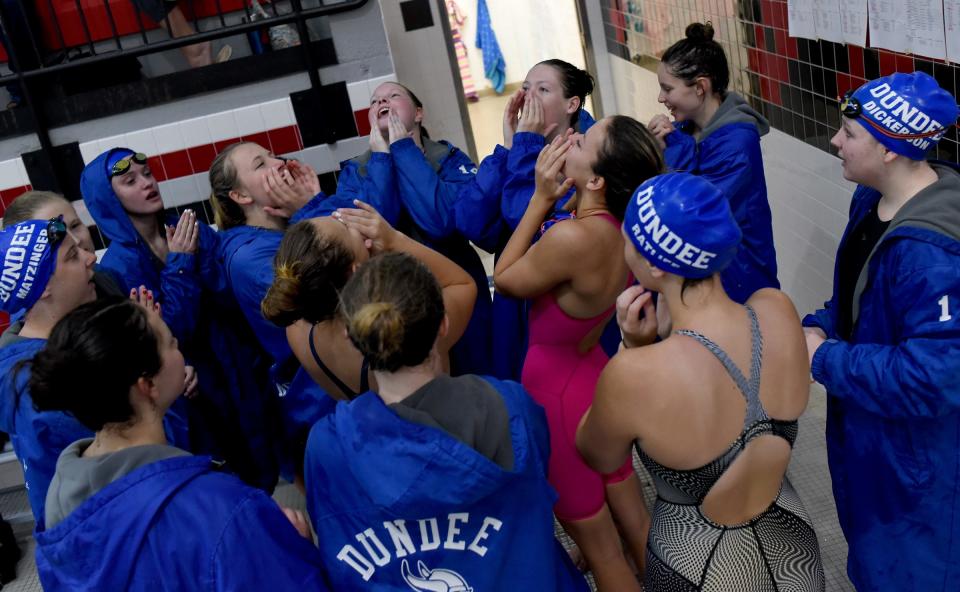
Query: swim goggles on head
[(850, 107), (56, 231), (123, 165)]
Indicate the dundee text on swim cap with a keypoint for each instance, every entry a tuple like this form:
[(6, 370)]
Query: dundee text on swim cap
[(907, 113), (682, 224), (29, 257)]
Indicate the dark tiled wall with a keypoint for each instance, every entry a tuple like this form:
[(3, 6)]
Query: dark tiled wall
[(794, 82)]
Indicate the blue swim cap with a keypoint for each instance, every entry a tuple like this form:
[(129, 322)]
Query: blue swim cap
[(115, 156), (29, 260), (682, 224), (907, 113)]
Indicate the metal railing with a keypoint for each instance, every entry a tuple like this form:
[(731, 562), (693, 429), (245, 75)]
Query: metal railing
[(28, 52)]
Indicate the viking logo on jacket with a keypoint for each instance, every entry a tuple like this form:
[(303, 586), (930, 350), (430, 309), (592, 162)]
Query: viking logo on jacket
[(377, 546), (434, 580)]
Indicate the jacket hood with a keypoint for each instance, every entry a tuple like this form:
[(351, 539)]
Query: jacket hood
[(932, 215), (734, 109), (435, 153), (106, 519), (102, 202), (16, 351), (427, 467), (78, 478), (936, 207)]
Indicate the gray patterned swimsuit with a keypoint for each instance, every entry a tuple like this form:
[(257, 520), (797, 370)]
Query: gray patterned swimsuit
[(776, 551)]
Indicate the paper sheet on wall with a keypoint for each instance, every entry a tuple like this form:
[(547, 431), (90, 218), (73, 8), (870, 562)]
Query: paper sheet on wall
[(951, 21), (853, 21), (925, 18), (800, 21), (826, 19), (889, 28)]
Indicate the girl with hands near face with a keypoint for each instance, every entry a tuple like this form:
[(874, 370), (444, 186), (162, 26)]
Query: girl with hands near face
[(289, 188), (255, 196), (315, 260), (636, 317), (492, 205), (396, 130), (574, 274), (378, 236), (533, 118), (660, 126), (718, 138), (182, 267), (416, 183)]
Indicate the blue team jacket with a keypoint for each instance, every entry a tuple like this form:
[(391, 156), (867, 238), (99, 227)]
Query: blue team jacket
[(177, 524), (398, 505), (236, 416), (247, 253), (417, 192), (38, 438), (727, 153), (893, 422), (302, 403), (487, 210)]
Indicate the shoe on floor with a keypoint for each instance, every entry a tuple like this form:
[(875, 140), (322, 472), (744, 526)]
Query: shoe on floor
[(223, 55)]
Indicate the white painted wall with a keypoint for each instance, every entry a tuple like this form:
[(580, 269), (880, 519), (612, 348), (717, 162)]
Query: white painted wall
[(422, 63), (808, 196), (528, 31)]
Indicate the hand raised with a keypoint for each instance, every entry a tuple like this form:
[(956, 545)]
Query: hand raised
[(377, 142), (377, 233), (510, 116), (396, 129), (144, 297), (547, 171), (184, 237), (637, 316), (660, 127), (285, 193), (533, 118), (190, 382)]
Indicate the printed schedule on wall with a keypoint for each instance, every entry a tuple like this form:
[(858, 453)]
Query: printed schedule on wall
[(928, 28)]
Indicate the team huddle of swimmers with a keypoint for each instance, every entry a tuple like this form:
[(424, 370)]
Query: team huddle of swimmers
[(349, 344)]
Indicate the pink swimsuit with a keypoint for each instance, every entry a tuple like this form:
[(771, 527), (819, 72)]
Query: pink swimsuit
[(563, 381)]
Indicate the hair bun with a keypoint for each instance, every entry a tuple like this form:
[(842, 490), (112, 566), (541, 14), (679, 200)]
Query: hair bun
[(700, 31), (281, 304), (379, 328)]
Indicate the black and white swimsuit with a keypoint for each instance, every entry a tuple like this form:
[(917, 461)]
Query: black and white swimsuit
[(776, 551)]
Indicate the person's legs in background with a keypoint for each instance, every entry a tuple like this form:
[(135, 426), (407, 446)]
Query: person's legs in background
[(177, 25), (170, 16)]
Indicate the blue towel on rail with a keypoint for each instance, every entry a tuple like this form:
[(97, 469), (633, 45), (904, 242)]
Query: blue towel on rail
[(494, 68)]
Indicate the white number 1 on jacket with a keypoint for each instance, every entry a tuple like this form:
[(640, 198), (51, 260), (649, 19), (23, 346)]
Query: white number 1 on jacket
[(944, 308)]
